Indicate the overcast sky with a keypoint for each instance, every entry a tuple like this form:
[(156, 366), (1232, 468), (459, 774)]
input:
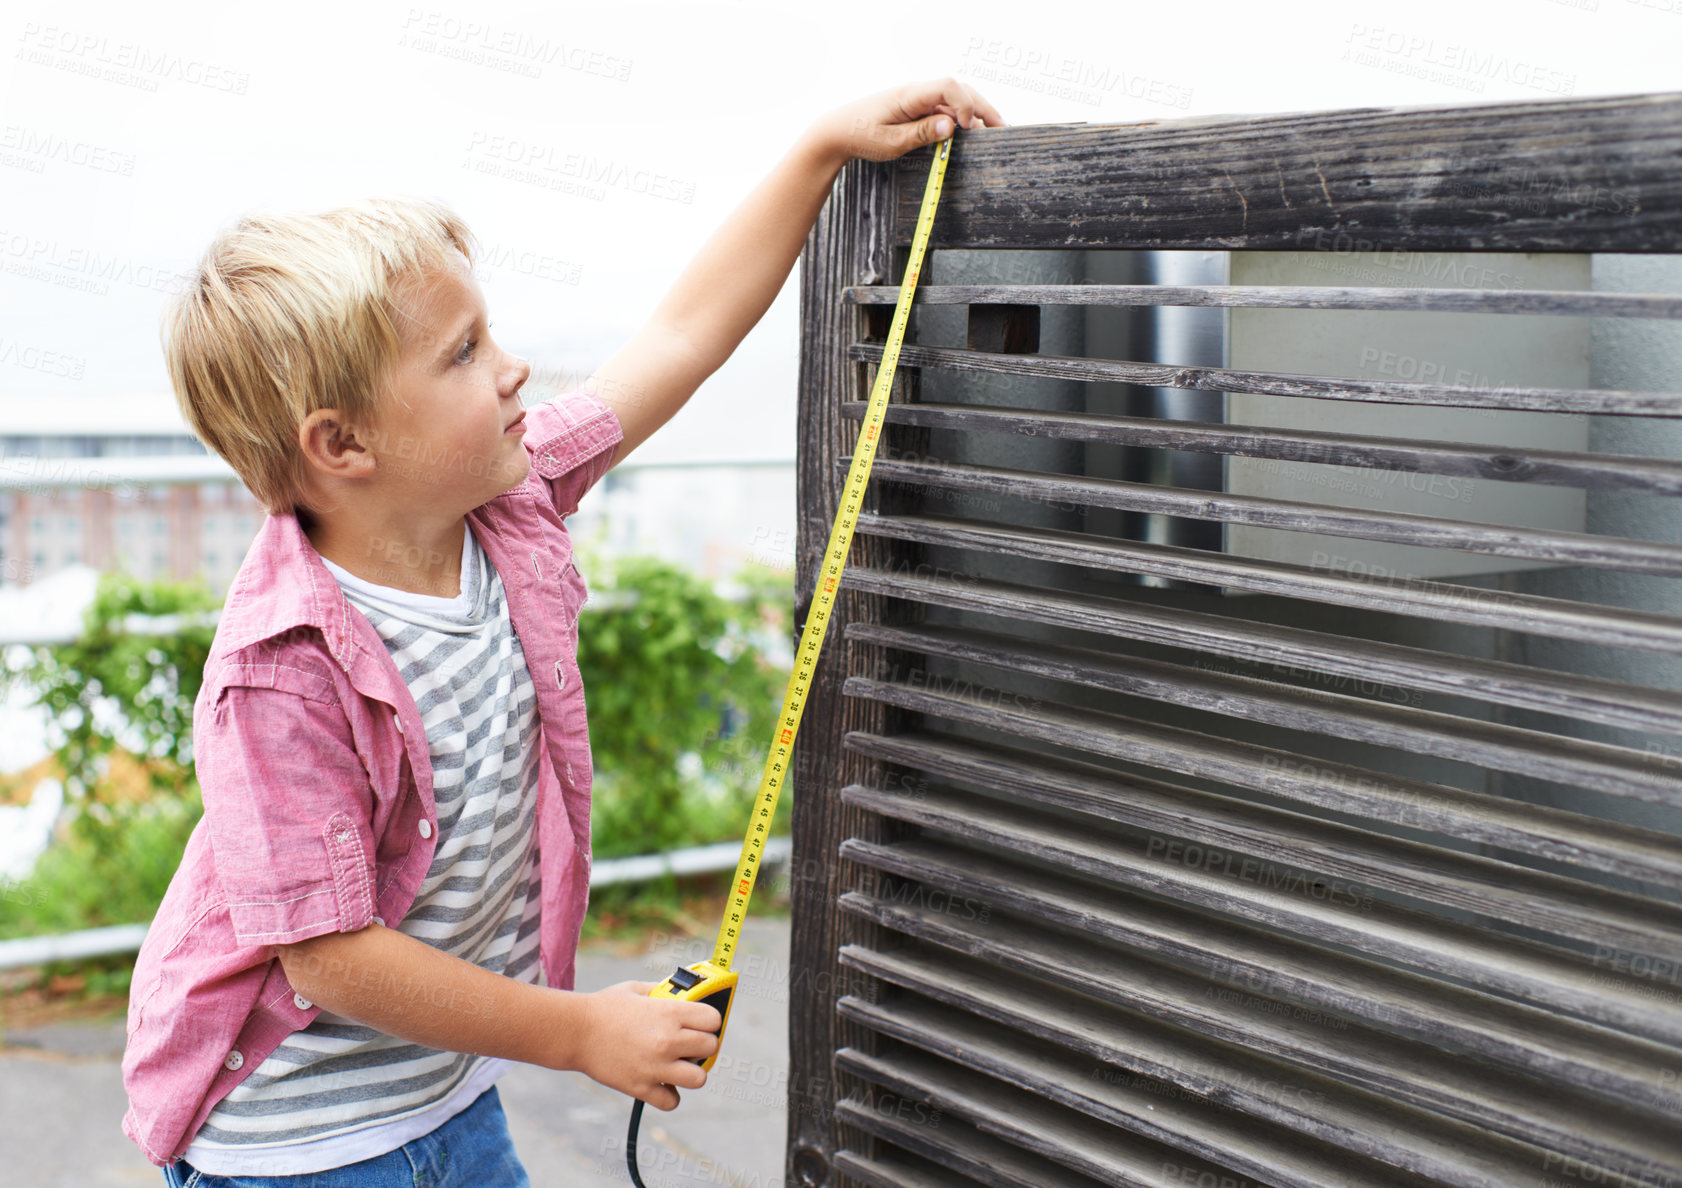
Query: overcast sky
[(130, 133)]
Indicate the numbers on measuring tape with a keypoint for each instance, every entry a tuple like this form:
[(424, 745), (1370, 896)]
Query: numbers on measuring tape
[(834, 561)]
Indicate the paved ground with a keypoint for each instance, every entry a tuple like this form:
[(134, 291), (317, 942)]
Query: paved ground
[(62, 1100)]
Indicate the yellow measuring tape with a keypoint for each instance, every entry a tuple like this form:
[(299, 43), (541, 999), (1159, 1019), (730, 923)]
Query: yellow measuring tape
[(713, 981)]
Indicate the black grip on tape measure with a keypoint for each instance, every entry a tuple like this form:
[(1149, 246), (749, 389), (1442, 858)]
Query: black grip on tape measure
[(719, 1000)]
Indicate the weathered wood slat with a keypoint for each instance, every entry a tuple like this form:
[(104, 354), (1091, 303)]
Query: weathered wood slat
[(1289, 515), (985, 1159), (900, 1170), (1537, 974), (1378, 664), (1558, 468), (1557, 617), (1067, 1141), (1508, 301), (1227, 1139), (1461, 177), (1601, 401), (1560, 1119), (1603, 767), (1299, 1101), (1331, 987)]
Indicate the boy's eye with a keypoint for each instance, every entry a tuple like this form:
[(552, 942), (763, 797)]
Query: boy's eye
[(466, 355)]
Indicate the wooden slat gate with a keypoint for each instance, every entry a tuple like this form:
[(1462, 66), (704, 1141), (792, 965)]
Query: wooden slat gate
[(1127, 852)]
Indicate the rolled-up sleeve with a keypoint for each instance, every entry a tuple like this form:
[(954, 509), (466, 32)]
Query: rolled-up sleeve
[(288, 804), (572, 440)]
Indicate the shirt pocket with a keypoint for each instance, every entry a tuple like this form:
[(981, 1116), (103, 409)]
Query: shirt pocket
[(576, 588), (559, 577), (574, 593)]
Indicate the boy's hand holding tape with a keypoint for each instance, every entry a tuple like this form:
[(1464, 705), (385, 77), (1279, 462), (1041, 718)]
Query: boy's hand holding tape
[(642, 1046)]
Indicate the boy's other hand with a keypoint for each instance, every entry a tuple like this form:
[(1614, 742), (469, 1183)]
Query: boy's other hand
[(643, 1046), (891, 123)]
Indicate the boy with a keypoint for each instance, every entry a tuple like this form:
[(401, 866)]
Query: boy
[(380, 908)]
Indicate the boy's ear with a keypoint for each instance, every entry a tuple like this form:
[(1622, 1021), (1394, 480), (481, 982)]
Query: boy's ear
[(333, 445)]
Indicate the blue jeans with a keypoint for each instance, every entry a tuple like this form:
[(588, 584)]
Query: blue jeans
[(471, 1150)]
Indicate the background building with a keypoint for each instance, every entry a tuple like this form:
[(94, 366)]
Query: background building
[(119, 482)]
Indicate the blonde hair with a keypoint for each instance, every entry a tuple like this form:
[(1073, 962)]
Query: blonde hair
[(291, 312)]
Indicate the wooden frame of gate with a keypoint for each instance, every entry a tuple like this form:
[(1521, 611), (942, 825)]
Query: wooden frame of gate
[(1010, 970)]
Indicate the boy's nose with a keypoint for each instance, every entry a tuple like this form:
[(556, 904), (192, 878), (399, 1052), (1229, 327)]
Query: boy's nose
[(518, 374)]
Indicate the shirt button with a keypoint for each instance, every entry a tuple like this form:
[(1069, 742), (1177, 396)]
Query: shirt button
[(399, 722), (234, 1060), (560, 675), (425, 827), (299, 1001), (380, 920)]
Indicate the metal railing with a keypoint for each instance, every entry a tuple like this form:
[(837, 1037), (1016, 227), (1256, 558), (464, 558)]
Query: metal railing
[(640, 868)]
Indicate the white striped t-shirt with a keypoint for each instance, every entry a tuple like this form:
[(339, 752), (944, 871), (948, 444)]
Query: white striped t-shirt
[(336, 1091)]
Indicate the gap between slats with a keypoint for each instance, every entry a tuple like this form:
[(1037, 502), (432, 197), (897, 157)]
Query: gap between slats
[(1562, 468)]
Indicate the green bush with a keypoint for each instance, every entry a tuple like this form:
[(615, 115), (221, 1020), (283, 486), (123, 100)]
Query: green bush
[(111, 869), (111, 688), (681, 701)]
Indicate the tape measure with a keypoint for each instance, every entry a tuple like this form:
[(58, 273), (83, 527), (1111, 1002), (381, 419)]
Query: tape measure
[(713, 981)]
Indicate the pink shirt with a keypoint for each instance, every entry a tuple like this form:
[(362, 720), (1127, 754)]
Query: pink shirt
[(317, 782)]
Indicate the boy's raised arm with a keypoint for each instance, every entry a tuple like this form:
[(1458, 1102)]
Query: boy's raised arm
[(736, 275)]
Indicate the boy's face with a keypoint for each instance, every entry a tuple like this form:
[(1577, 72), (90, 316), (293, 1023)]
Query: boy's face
[(442, 440)]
